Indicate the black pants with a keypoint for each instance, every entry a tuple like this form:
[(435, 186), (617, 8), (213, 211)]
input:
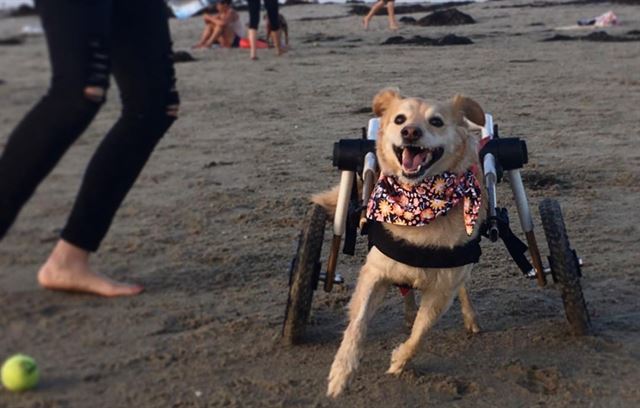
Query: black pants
[(272, 13), (88, 40)]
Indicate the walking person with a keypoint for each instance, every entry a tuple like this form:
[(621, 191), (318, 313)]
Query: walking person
[(87, 42), (391, 14), (274, 24)]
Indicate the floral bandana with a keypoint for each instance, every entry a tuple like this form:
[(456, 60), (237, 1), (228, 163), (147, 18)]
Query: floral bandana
[(420, 204)]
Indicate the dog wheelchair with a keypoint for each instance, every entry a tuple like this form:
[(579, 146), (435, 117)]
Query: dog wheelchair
[(499, 157)]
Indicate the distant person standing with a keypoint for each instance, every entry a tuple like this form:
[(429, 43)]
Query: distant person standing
[(274, 24), (393, 24), (88, 41)]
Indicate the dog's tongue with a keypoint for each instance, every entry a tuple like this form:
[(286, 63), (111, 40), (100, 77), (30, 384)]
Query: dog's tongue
[(412, 159)]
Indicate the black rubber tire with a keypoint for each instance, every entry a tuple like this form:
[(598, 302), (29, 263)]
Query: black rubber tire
[(304, 275), (564, 267)]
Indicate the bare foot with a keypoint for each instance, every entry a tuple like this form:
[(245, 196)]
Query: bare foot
[(365, 23), (67, 269), (394, 27)]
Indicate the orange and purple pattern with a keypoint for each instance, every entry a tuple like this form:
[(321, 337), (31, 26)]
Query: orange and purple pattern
[(420, 204)]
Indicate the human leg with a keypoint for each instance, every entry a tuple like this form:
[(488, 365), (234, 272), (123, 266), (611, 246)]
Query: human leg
[(274, 23), (206, 34), (254, 20), (141, 64), (77, 40), (217, 32), (374, 9), (227, 37), (391, 12)]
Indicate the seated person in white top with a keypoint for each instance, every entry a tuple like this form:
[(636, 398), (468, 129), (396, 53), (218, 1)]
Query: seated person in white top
[(223, 28)]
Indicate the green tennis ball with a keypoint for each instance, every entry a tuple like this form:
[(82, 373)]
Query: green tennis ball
[(20, 373)]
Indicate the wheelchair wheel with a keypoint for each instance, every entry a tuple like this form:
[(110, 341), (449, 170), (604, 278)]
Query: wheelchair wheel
[(304, 274), (565, 267)]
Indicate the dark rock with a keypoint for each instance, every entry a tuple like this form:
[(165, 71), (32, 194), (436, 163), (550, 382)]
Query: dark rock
[(559, 37), (446, 18), (408, 20), (598, 36), (449, 39), (13, 40), (23, 11), (321, 37), (182, 56), (452, 39)]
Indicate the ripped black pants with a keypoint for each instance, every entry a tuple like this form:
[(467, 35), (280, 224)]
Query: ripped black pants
[(89, 40)]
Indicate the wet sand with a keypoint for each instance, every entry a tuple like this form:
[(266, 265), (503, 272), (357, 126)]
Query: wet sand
[(211, 225)]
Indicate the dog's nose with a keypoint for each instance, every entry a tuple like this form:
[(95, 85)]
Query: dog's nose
[(411, 133)]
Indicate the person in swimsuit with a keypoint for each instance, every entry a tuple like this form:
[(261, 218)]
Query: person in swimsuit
[(223, 28), (393, 24), (87, 42)]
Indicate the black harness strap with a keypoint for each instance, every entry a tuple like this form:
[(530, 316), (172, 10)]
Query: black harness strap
[(422, 257)]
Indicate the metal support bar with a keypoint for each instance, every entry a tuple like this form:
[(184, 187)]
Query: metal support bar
[(339, 226), (526, 221)]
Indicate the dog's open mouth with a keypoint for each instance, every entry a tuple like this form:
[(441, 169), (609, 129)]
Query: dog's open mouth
[(416, 160)]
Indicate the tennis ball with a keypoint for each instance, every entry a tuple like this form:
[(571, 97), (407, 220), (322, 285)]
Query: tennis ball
[(20, 373)]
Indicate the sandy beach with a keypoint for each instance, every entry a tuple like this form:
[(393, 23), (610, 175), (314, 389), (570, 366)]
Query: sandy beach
[(211, 225)]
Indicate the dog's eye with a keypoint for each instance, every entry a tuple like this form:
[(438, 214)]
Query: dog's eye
[(436, 121), (400, 119)]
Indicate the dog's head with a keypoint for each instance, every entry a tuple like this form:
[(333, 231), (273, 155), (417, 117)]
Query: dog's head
[(419, 138)]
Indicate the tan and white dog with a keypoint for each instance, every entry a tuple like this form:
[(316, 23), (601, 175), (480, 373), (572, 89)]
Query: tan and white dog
[(417, 138)]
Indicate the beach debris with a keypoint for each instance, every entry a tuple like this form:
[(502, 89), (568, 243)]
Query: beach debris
[(598, 36), (607, 19), (24, 10), (446, 17), (449, 39), (182, 56), (12, 40), (363, 10)]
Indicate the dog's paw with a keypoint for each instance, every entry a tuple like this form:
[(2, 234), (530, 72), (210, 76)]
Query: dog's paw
[(398, 361), (338, 379), (472, 327)]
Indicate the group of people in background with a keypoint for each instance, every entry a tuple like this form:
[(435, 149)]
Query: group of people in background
[(225, 28)]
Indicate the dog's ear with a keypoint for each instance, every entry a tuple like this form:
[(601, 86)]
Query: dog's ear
[(383, 99), (469, 109)]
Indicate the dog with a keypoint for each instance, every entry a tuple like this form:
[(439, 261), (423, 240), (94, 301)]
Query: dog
[(418, 140), (284, 29)]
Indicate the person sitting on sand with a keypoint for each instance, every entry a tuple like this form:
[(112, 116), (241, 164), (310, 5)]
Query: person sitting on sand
[(224, 28), (393, 24)]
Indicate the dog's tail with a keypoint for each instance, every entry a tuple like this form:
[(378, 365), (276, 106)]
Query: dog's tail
[(327, 199)]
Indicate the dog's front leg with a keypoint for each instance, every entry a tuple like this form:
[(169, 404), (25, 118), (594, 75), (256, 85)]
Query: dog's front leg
[(468, 313), (366, 298), (433, 304)]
